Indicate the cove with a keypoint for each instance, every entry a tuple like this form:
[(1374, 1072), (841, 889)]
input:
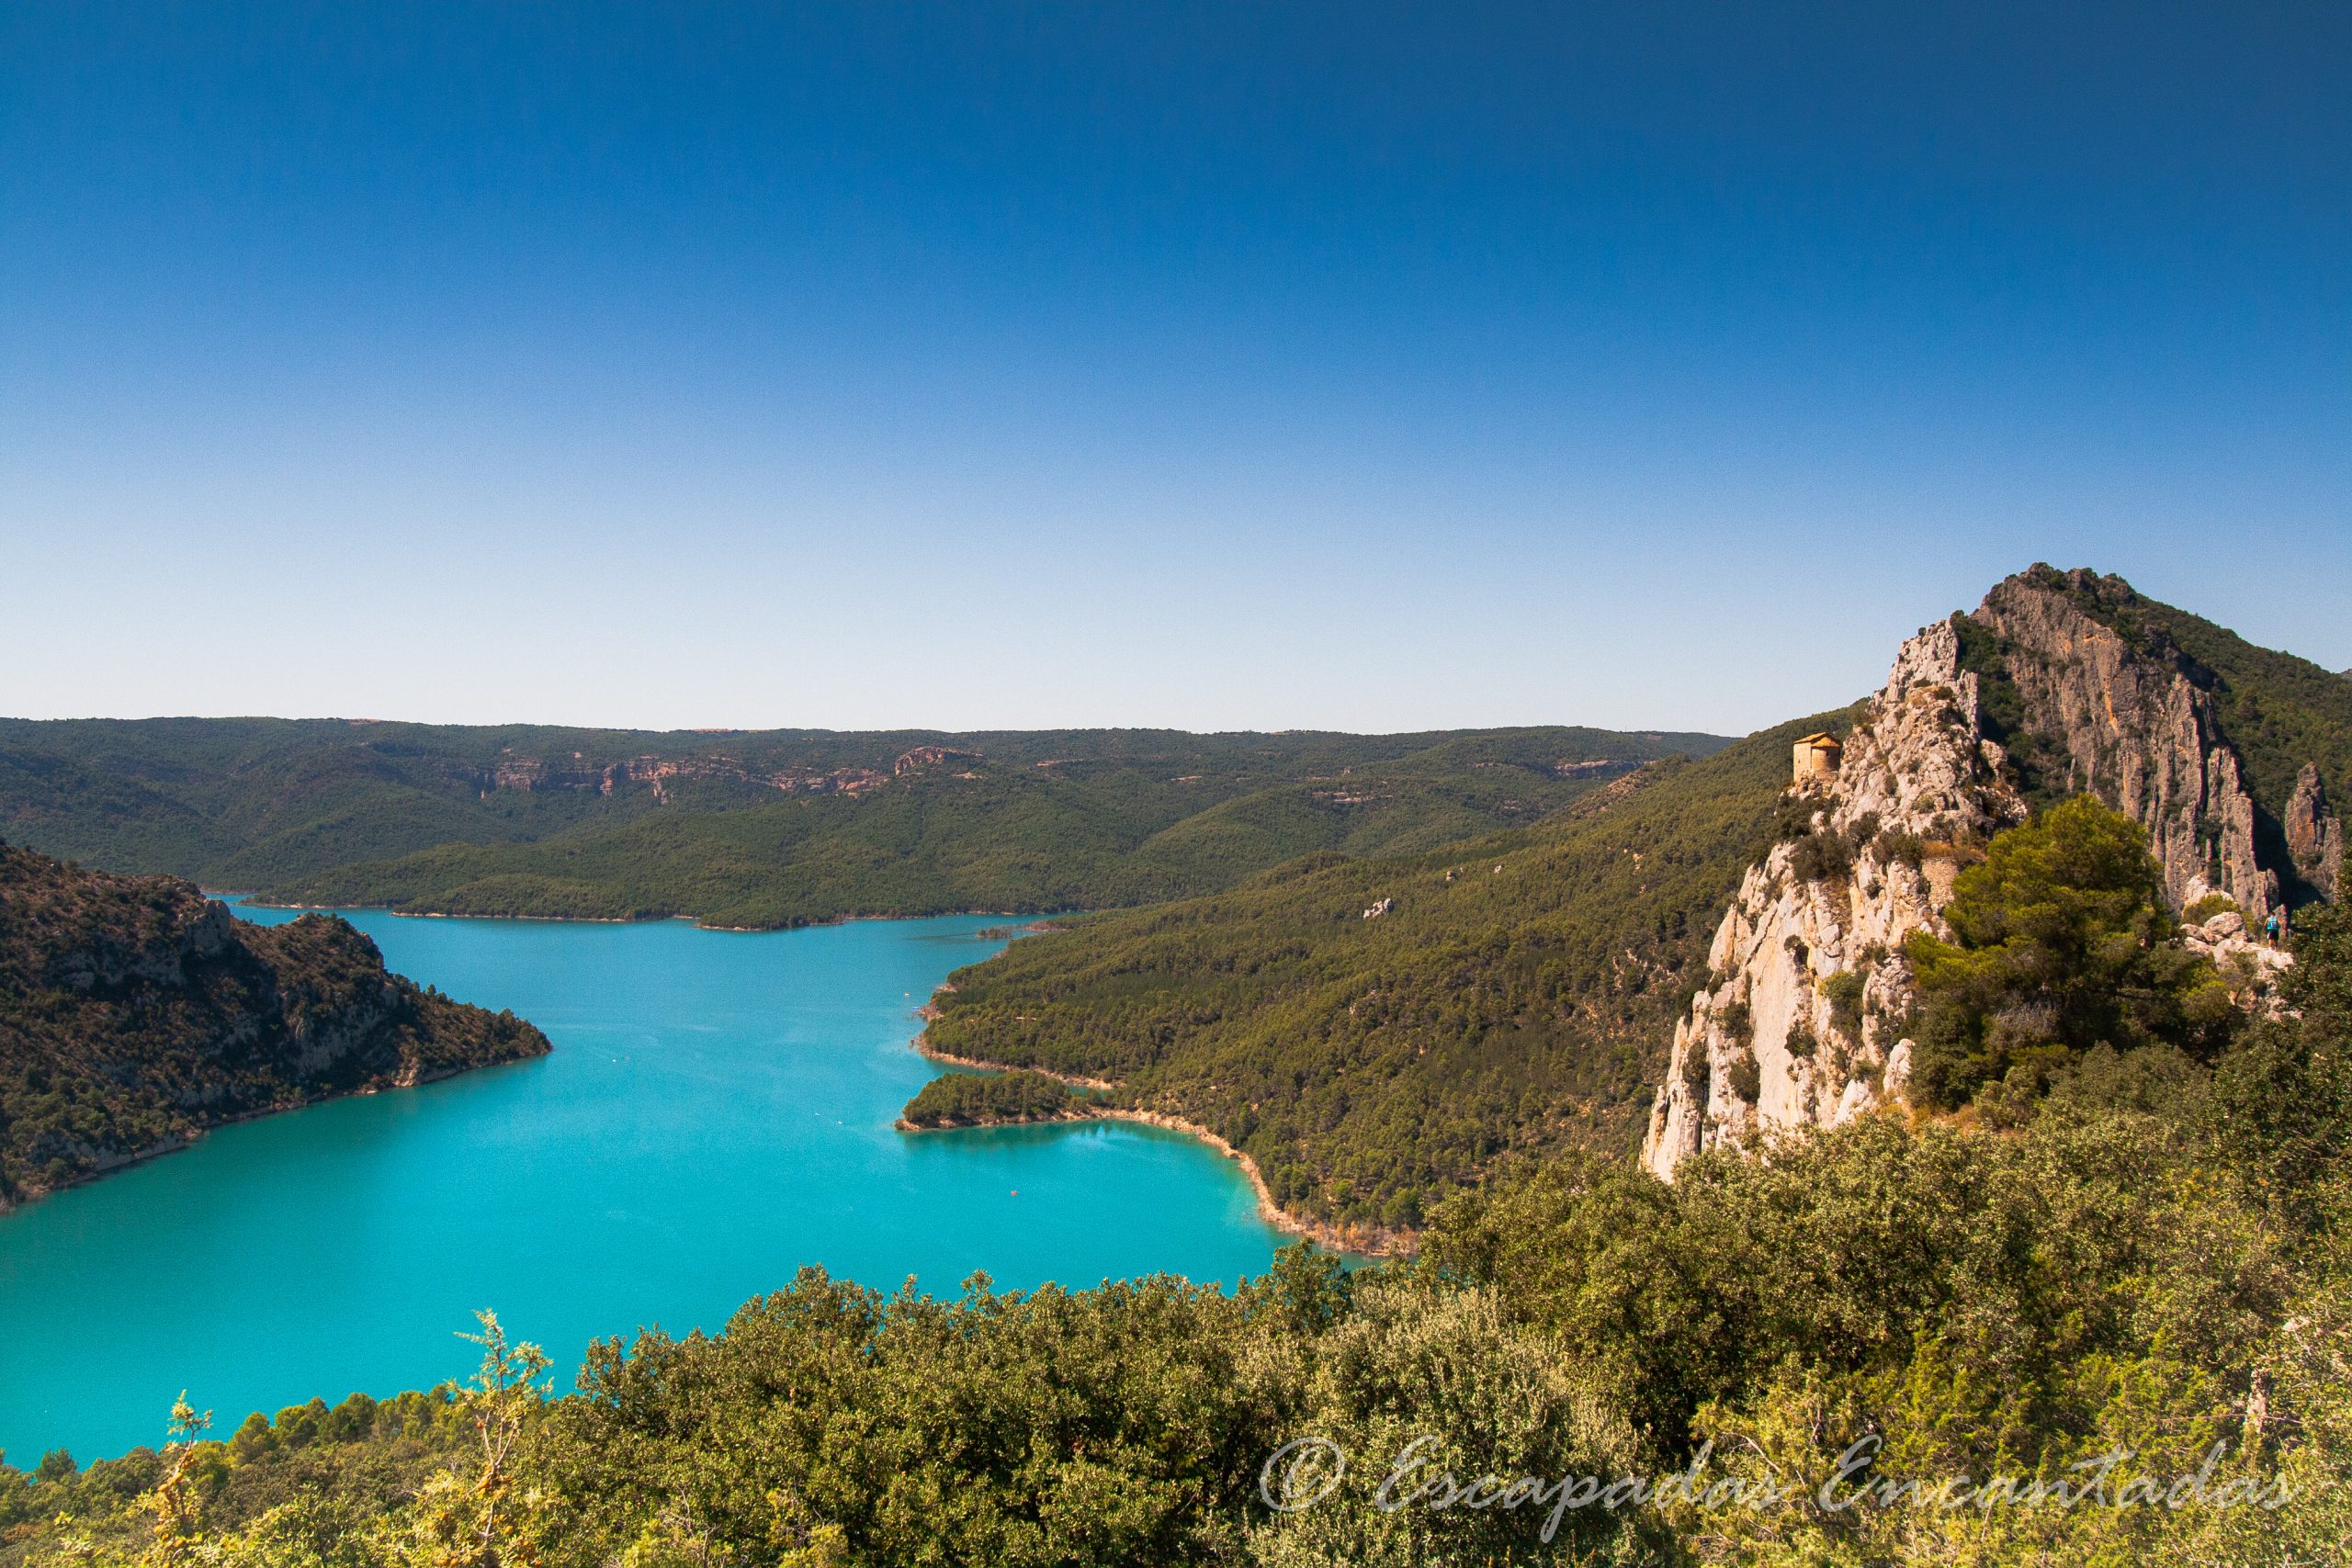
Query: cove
[(716, 1114)]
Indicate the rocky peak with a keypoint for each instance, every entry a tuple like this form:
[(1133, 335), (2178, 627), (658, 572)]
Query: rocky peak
[(2132, 722), (2031, 696), (1805, 976)]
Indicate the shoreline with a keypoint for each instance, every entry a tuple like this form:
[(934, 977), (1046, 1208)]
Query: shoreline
[(1033, 924), (182, 1142), (1355, 1241)]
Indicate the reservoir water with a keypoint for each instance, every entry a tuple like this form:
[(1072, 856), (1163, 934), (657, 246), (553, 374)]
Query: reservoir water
[(716, 1114)]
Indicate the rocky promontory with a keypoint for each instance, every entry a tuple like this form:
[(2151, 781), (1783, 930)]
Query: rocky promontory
[(135, 1012), (992, 1100), (2056, 684)]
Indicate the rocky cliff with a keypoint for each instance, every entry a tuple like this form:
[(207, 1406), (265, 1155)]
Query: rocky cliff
[(2314, 837), (2126, 720), (134, 1012), (577, 775), (2030, 698)]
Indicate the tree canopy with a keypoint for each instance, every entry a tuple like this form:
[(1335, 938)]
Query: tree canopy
[(2060, 943)]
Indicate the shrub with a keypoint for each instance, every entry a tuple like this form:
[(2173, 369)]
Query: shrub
[(1695, 1072), (1892, 847), (1844, 991), (1742, 1077), (1822, 856), (1793, 820), (2207, 907)]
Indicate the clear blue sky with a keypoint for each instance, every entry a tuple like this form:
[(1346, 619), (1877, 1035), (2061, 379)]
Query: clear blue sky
[(1360, 366)]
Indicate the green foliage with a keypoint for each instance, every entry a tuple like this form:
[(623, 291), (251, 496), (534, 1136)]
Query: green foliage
[(174, 1501), (1742, 1076), (2281, 1104), (1517, 995), (318, 1488), (484, 1521), (134, 1012), (766, 828), (2061, 942), (971, 1099), (1844, 990), (1859, 1261), (1823, 855), (1697, 1070), (2205, 908), (1892, 848)]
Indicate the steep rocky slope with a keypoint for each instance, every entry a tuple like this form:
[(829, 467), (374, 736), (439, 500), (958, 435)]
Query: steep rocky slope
[(2059, 683), (134, 1012), (2314, 837), (2126, 721)]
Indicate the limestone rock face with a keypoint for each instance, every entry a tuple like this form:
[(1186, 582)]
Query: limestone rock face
[(1806, 974), (1806, 979), (2314, 836), (2137, 732)]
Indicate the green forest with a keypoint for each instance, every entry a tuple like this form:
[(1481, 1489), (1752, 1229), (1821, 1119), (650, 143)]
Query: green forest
[(763, 829), (1517, 993), (2117, 1330), (977, 1099)]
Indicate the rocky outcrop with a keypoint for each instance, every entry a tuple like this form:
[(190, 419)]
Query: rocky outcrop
[(1805, 976), (2135, 728), (931, 757), (2314, 836), (2252, 968), (576, 774), (135, 1012), (1806, 982)]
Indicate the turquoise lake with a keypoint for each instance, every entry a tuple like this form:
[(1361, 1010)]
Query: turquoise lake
[(716, 1114)]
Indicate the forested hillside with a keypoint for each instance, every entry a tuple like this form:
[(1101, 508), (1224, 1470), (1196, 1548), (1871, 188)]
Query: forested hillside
[(763, 829), (1521, 991), (134, 1011), (1516, 992)]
